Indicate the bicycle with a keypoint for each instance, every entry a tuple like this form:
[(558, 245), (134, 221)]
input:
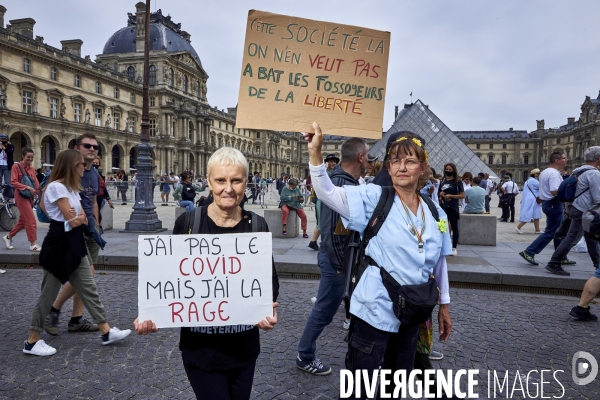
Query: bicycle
[(9, 213)]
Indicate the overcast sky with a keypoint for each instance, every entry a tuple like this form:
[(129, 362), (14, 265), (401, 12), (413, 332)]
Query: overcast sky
[(479, 65)]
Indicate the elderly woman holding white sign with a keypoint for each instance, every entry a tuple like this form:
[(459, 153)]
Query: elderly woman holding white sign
[(404, 263), (220, 362)]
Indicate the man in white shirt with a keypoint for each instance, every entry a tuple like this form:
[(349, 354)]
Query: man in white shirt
[(510, 189), (488, 190), (550, 179)]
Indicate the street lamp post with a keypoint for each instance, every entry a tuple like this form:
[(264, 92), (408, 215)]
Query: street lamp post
[(144, 217)]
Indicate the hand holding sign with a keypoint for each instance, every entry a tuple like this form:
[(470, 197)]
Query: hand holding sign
[(315, 142)]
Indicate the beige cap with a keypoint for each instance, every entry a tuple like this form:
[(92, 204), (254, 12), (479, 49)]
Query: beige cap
[(535, 171)]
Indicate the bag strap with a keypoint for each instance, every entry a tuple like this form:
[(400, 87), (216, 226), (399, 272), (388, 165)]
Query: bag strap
[(577, 176), (258, 224), (22, 171), (432, 208), (379, 214), (197, 219)]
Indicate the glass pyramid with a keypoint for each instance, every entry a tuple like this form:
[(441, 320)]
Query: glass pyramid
[(441, 143)]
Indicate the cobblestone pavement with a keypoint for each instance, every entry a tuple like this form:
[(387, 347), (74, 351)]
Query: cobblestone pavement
[(492, 331)]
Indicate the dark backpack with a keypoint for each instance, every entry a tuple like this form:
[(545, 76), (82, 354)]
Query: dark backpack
[(193, 220), (354, 253), (188, 192), (41, 215), (568, 188)]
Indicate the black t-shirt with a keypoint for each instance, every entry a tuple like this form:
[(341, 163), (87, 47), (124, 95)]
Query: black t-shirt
[(450, 187), (226, 347)]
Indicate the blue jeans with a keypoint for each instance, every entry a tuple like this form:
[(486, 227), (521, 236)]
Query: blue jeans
[(487, 203), (329, 298), (554, 216), (5, 173), (189, 205)]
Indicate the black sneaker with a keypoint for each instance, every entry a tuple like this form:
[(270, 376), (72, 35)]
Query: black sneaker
[(83, 326), (557, 270), (566, 261), (51, 325), (314, 367), (582, 315), (528, 258), (314, 246)]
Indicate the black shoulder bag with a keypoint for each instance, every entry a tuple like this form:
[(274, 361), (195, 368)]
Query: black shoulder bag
[(412, 304)]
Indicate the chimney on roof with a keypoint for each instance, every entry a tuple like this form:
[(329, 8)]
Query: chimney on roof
[(186, 36), (2, 12), (395, 113), (510, 129), (571, 120), (140, 24), (72, 46), (23, 26)]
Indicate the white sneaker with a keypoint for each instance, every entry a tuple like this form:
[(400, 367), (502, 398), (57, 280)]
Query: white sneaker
[(346, 324), (520, 232), (435, 355), (114, 335), (2, 271), (8, 242), (454, 252), (40, 348)]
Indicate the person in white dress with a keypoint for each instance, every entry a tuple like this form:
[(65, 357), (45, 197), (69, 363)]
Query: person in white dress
[(530, 209)]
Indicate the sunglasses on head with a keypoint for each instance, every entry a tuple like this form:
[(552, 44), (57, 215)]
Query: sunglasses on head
[(91, 146)]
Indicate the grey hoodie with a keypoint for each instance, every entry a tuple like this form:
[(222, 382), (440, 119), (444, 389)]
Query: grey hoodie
[(589, 179)]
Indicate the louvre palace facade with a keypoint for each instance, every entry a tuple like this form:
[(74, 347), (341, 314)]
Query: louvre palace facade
[(49, 96)]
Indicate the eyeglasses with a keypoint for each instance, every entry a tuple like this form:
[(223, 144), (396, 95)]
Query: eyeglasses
[(409, 163), (91, 146)]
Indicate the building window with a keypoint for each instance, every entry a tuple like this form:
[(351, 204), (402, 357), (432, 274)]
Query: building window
[(53, 107), (152, 76), (490, 159), (503, 158), (53, 74), (77, 81), (477, 146), (185, 84), (526, 159), (557, 140), (27, 98), (132, 124), (116, 120), (131, 73), (132, 98), (152, 101), (526, 145), (152, 127), (288, 155), (288, 142), (77, 112), (491, 145), (258, 135), (504, 145), (116, 93), (26, 65), (98, 116), (98, 87), (171, 77)]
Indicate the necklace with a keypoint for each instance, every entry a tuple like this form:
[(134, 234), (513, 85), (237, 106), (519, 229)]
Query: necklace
[(412, 226)]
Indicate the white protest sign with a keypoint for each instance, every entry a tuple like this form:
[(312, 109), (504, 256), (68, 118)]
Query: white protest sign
[(205, 280)]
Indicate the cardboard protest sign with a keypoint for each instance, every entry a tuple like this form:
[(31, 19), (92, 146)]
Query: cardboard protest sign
[(205, 280), (296, 71)]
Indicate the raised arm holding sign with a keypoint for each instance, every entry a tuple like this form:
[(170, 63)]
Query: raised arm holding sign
[(214, 277)]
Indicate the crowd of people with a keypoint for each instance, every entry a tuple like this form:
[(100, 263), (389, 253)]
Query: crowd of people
[(405, 215)]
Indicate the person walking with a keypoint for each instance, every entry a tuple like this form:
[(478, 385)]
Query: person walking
[(510, 190), (24, 203), (330, 256), (123, 186), (550, 180), (530, 208), (7, 150), (451, 191), (165, 190), (64, 254), (586, 196), (291, 199)]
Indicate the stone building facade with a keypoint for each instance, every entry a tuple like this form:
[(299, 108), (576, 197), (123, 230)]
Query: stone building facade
[(49, 96)]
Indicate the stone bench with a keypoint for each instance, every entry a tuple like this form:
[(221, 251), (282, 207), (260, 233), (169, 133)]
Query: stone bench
[(273, 218), (477, 229)]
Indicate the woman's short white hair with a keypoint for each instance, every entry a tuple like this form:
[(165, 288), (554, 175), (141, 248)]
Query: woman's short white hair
[(227, 156)]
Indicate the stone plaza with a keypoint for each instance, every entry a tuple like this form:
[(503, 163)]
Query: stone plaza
[(495, 331)]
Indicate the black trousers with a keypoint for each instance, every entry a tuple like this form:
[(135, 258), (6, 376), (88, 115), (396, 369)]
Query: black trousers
[(370, 348), (453, 216), (508, 210), (235, 384)]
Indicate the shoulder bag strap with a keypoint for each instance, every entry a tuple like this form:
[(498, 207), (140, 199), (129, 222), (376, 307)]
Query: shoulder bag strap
[(431, 205), (197, 219)]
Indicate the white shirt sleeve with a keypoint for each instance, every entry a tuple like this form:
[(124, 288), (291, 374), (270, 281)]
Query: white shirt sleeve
[(440, 271), (332, 196)]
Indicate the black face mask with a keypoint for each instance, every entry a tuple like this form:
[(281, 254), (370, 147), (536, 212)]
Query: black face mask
[(449, 173), (95, 166)]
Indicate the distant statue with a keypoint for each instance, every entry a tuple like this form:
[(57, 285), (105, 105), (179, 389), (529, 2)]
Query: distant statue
[(540, 124), (2, 99), (35, 106), (203, 89), (108, 122), (157, 130), (127, 125), (63, 110), (88, 116)]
